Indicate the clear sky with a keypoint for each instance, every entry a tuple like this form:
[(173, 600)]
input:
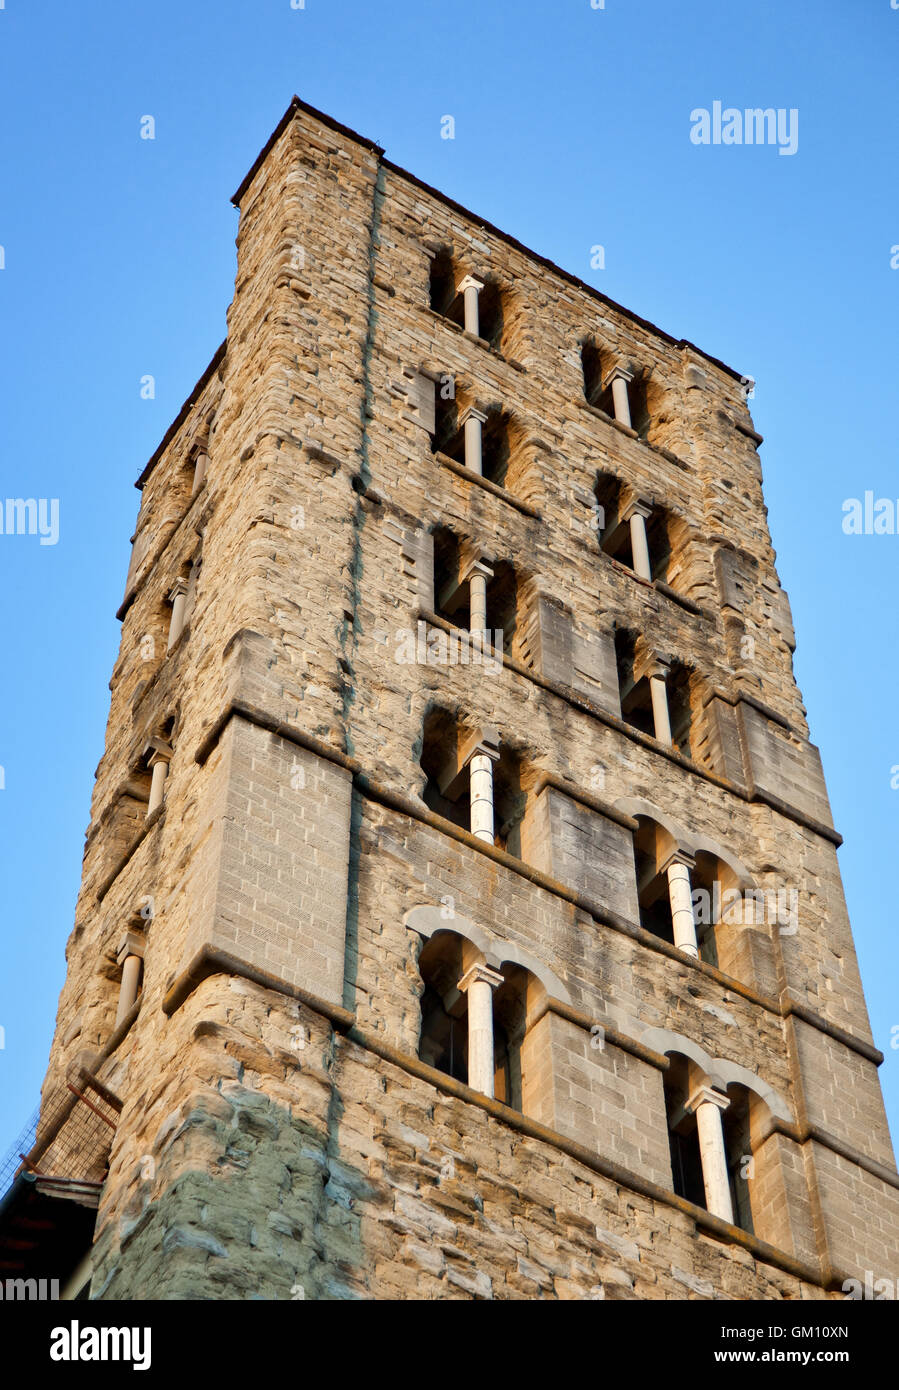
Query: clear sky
[(572, 129)]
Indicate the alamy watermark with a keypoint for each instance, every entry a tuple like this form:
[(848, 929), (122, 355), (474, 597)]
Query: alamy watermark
[(879, 1289), (438, 648), (29, 1290), (77, 1343), (863, 516), (727, 125), (31, 516), (777, 907)]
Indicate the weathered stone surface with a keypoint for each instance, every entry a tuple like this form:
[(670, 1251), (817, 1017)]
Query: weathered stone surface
[(262, 1152)]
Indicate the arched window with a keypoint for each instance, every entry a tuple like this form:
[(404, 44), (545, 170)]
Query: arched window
[(683, 1139), (652, 886), (709, 1141), (452, 757), (458, 567), (633, 684), (443, 1041), (450, 596), (473, 304), (723, 916), (592, 369), (452, 968), (638, 400), (490, 443), (658, 539), (681, 684), (633, 531), (447, 438), (619, 389), (659, 696), (446, 791), (510, 1004), (442, 285), (491, 314), (496, 449), (707, 887), (612, 532), (738, 1151), (506, 605), (664, 871), (709, 890)]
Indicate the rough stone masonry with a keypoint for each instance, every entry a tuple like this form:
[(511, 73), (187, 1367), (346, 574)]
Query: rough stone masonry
[(393, 966)]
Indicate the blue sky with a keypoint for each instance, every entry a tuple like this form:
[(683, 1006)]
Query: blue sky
[(572, 128)]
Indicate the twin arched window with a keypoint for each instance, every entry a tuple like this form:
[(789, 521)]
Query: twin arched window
[(709, 1133), (474, 1018)]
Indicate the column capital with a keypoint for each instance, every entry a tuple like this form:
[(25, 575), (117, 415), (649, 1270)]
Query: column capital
[(680, 856), (178, 590), (131, 944), (636, 506), (651, 663), (472, 413), (484, 741), (707, 1095), (476, 564), (479, 974), (617, 374), (469, 282), (157, 751)]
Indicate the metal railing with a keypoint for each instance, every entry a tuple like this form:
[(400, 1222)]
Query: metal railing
[(12, 1159), (70, 1138)]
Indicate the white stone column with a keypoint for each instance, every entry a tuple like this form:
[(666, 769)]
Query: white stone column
[(178, 600), (199, 473), (477, 572), (708, 1105), (470, 288), (658, 691), (680, 895), (636, 513), (480, 772), (129, 956), (158, 759), (620, 380), (472, 423), (479, 983), (477, 590)]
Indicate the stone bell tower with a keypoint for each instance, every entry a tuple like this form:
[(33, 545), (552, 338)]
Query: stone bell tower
[(461, 915)]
